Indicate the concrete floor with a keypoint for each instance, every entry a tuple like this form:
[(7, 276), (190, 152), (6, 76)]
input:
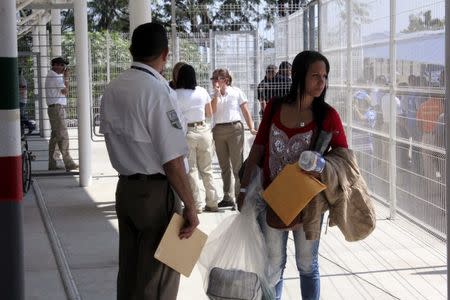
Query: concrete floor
[(397, 261)]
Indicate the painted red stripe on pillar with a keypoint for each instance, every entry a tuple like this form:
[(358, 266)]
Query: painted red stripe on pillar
[(11, 179)]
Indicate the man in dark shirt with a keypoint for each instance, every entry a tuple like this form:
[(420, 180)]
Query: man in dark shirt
[(264, 86), (281, 83)]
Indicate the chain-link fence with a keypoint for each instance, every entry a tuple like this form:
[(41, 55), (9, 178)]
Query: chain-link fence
[(386, 80)]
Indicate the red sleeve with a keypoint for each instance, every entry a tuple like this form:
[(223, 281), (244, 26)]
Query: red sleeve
[(333, 123), (262, 138)]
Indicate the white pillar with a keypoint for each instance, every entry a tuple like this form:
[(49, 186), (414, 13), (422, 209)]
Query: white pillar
[(37, 90), (43, 43), (140, 13), (83, 91), (56, 32)]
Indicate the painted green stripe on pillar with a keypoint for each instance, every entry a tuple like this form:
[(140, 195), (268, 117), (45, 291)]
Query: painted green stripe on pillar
[(9, 83)]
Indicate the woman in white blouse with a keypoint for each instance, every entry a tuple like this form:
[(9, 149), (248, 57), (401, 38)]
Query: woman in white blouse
[(227, 104), (194, 103)]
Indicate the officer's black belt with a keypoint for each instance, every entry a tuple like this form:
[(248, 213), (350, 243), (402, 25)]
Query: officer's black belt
[(144, 177), (229, 123)]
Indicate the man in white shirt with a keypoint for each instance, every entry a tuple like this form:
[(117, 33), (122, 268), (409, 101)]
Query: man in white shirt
[(146, 144), (56, 90)]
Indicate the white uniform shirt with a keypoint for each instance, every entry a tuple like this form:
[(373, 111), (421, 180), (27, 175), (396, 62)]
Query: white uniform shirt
[(192, 103), (229, 105), (141, 123), (54, 83)]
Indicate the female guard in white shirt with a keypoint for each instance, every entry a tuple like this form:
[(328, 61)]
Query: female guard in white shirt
[(227, 104), (195, 105)]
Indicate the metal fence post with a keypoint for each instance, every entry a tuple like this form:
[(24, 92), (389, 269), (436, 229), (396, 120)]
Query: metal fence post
[(393, 113)]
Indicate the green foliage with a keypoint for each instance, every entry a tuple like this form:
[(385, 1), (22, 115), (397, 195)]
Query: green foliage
[(423, 21)]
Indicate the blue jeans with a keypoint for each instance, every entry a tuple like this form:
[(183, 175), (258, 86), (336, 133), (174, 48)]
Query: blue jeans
[(306, 257)]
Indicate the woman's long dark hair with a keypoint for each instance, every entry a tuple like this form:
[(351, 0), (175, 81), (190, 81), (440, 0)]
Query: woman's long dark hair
[(186, 78), (300, 67)]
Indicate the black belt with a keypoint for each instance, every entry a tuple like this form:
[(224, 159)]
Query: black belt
[(143, 177), (229, 123), (53, 105), (201, 123)]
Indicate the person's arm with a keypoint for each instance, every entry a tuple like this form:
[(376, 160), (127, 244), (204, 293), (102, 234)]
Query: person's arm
[(176, 174), (254, 159), (248, 118), (65, 89), (208, 110), (215, 99)]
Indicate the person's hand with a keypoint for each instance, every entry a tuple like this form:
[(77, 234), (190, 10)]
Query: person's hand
[(240, 200), (216, 90), (190, 222), (253, 131), (313, 174)]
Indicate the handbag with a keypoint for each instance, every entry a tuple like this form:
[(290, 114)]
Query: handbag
[(233, 284)]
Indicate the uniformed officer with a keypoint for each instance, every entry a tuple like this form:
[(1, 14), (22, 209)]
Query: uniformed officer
[(146, 145)]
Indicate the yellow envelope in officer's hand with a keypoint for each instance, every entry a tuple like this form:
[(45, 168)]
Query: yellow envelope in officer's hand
[(180, 255), (291, 191)]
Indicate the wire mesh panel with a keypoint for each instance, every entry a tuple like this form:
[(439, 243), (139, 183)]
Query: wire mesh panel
[(395, 81), (38, 44), (391, 98)]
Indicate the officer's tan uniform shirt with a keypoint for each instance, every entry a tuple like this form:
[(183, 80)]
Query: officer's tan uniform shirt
[(141, 122)]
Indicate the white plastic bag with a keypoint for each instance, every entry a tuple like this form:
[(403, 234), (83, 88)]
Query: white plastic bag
[(236, 252)]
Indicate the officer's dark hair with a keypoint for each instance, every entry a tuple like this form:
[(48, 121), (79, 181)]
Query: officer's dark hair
[(300, 67), (186, 78), (148, 41)]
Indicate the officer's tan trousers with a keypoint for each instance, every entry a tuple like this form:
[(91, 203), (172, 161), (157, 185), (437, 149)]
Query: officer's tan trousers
[(144, 209), (59, 136), (229, 142), (199, 140)]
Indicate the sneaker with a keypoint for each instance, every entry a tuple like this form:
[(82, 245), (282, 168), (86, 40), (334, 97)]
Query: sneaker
[(72, 166), (226, 203), (211, 208)]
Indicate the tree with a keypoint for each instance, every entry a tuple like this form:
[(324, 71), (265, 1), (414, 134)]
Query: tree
[(423, 21), (103, 15)]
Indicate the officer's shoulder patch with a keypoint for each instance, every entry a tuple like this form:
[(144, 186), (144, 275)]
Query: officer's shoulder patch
[(173, 118)]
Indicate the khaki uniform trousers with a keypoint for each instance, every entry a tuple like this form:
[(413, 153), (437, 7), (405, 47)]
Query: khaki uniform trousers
[(199, 140), (59, 136), (229, 142), (144, 208)]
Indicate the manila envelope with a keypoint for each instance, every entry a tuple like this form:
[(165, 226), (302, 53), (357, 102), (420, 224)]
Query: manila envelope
[(291, 191), (180, 254)]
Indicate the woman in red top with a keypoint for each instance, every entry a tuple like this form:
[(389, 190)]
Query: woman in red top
[(287, 129)]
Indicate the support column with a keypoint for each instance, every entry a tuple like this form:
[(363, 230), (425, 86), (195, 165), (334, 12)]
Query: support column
[(11, 236), (36, 75), (83, 91), (43, 50), (56, 32), (140, 13)]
